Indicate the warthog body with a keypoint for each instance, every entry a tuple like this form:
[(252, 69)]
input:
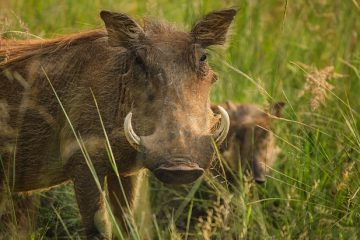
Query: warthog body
[(250, 145), (149, 83)]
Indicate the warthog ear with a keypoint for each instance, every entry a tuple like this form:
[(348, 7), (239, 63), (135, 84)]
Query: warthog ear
[(276, 108), (212, 29), (230, 106), (122, 30)]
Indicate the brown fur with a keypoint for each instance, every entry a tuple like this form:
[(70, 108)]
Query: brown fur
[(153, 71), (250, 145), (18, 216)]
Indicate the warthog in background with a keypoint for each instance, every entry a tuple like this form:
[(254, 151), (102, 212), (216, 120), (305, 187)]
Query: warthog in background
[(149, 83), (250, 145)]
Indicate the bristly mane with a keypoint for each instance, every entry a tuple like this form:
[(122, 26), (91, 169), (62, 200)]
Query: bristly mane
[(12, 51)]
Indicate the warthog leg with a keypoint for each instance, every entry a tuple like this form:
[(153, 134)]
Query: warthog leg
[(92, 204), (122, 199)]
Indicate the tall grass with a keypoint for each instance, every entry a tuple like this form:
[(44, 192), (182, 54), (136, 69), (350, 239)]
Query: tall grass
[(313, 190)]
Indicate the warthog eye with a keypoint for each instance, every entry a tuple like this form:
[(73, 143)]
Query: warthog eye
[(203, 57), (139, 61)]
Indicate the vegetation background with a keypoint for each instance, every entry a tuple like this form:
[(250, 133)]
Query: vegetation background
[(306, 53)]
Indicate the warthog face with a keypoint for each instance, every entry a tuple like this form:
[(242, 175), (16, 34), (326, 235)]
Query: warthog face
[(251, 139), (170, 119)]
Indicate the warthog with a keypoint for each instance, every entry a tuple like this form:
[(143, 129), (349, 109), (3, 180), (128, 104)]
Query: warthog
[(150, 84), (250, 145)]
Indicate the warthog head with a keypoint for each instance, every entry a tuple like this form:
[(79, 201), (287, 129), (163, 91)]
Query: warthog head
[(251, 139), (170, 119)]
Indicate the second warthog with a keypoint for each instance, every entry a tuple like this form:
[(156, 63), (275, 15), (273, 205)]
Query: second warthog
[(250, 146)]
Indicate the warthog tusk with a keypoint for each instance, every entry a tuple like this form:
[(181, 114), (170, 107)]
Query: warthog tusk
[(130, 135), (223, 130), (219, 135)]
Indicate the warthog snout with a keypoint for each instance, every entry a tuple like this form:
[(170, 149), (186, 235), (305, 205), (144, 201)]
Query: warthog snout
[(260, 179), (259, 171), (178, 172), (179, 149)]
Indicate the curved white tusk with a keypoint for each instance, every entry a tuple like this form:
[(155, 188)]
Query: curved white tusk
[(223, 130), (130, 135)]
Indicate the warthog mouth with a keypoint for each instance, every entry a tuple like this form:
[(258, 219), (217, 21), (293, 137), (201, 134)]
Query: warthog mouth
[(178, 171), (260, 180)]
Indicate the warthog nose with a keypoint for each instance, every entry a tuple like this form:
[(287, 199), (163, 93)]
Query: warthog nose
[(260, 180), (178, 173)]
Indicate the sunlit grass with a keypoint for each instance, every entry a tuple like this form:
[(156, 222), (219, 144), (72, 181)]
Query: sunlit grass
[(312, 192)]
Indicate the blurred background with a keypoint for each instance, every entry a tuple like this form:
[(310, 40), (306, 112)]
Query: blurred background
[(304, 53)]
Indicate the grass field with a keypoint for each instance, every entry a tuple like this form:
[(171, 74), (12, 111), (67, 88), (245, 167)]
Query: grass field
[(305, 53)]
